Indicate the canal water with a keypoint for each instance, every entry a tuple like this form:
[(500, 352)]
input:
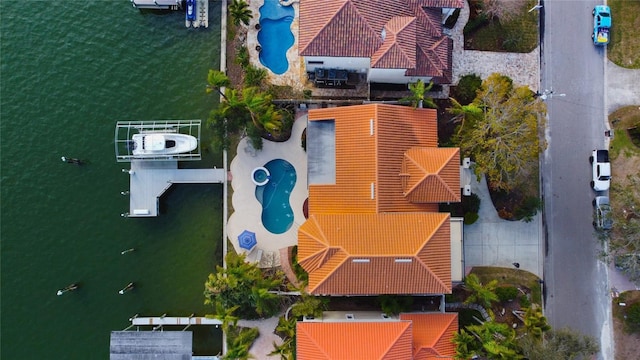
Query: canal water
[(69, 71)]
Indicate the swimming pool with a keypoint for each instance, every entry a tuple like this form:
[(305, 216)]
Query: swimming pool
[(275, 36), (277, 214)]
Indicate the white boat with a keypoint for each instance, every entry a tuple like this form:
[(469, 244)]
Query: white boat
[(154, 144)]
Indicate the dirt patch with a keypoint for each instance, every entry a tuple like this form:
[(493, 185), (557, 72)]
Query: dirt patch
[(235, 40)]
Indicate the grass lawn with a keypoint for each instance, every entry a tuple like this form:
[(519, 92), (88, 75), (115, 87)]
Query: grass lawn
[(519, 34), (624, 48), (514, 277), (621, 120)]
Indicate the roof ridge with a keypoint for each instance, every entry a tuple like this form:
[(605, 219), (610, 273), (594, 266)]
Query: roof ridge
[(407, 325)]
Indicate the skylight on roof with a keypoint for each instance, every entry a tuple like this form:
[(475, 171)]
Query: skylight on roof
[(360, 260), (403, 260)]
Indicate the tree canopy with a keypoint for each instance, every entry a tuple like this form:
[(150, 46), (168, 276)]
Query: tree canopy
[(240, 12), (501, 131), (244, 287)]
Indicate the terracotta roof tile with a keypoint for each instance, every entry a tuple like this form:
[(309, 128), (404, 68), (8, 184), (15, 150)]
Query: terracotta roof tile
[(404, 253), (398, 50), (354, 340), (363, 159), (431, 175), (353, 28), (432, 334)]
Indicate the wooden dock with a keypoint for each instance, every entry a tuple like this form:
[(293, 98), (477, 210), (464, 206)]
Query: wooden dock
[(178, 321), (150, 179)]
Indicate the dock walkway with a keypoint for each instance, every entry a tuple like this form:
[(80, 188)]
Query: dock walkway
[(150, 179), (159, 320)]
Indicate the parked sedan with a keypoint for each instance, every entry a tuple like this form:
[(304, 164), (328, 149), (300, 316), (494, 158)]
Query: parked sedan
[(601, 170), (603, 218)]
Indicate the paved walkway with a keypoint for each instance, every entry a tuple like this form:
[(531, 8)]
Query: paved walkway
[(623, 87), (264, 343), (492, 241)]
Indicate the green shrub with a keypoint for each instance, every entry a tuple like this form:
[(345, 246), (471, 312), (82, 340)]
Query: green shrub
[(299, 271), (475, 23), (528, 209), (524, 301), (307, 93), (242, 58), (470, 218), (507, 293), (467, 88), (392, 304), (254, 76), (471, 203)]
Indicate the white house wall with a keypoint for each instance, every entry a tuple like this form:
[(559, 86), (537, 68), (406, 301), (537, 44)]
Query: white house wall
[(393, 76), (349, 63)]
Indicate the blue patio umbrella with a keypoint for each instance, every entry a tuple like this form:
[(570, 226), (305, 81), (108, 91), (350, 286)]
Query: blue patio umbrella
[(247, 240)]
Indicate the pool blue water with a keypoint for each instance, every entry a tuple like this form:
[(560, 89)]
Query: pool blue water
[(277, 215), (275, 36)]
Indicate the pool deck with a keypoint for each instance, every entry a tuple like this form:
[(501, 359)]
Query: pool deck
[(248, 211)]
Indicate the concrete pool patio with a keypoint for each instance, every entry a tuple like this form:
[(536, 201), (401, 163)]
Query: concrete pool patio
[(247, 213)]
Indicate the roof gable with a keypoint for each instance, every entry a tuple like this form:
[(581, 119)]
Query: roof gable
[(433, 334), (354, 340), (398, 50), (406, 253), (431, 175)]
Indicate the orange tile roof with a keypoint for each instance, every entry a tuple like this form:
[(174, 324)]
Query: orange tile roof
[(353, 28), (432, 334), (431, 175), (369, 254), (354, 340), (369, 163)]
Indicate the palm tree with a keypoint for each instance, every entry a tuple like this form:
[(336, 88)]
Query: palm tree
[(481, 294), (287, 327), (286, 350), (265, 301), (309, 305), (226, 316), (465, 345), (497, 339), (240, 12), (462, 112), (417, 98), (535, 323), (216, 80)]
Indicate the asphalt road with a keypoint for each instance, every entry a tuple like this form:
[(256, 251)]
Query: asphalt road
[(576, 283)]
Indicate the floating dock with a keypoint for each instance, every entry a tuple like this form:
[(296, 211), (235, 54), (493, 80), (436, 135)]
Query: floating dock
[(150, 179)]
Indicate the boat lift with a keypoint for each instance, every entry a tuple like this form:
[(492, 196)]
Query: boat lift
[(126, 129)]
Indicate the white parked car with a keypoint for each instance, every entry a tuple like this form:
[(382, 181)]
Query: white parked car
[(601, 177)]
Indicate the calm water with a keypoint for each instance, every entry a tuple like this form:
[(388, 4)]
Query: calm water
[(69, 71)]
